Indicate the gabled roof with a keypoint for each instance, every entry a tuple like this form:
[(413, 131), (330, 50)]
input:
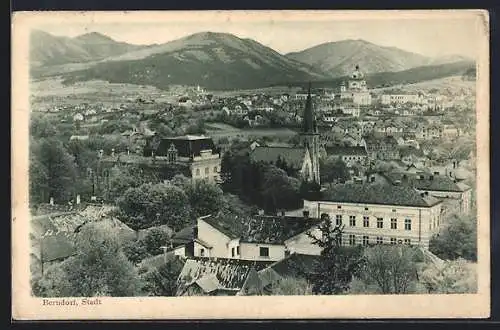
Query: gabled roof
[(187, 146), (382, 194), (260, 228), (216, 274), (295, 265), (430, 182), (294, 157)]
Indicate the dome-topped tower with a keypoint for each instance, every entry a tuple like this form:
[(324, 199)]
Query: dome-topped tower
[(357, 74)]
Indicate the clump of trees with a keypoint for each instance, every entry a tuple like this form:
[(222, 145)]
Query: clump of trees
[(457, 240), (333, 170), (99, 268), (389, 269), (153, 205), (265, 185), (162, 281), (456, 276)]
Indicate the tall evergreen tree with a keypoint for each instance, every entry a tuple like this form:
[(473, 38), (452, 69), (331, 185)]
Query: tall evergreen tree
[(337, 264)]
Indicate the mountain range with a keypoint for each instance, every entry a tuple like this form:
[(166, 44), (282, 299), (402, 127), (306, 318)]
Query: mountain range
[(215, 61)]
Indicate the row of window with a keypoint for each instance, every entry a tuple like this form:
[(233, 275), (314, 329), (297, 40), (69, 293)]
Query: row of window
[(365, 240), (207, 171), (366, 222)]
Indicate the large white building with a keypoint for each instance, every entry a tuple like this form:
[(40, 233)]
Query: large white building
[(259, 238), (380, 214), (356, 89)]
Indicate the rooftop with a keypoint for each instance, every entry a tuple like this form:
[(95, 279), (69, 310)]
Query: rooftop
[(213, 274), (426, 181), (261, 229), (382, 194), (295, 265)]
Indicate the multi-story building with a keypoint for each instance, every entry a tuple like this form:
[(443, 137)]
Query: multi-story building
[(455, 195), (385, 148), (402, 99), (349, 155), (379, 214), (259, 238), (197, 152), (356, 89)]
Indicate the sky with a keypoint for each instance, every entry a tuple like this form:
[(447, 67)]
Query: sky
[(428, 36)]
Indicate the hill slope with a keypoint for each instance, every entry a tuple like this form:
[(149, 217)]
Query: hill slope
[(47, 49), (340, 57), (211, 60), (388, 79)]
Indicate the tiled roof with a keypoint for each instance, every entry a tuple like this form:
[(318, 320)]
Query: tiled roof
[(261, 229), (187, 146), (295, 265), (430, 182), (346, 151), (293, 156), (213, 274), (383, 194), (184, 235)]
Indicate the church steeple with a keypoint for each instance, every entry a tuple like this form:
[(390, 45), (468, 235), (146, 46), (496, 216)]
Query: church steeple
[(310, 140), (308, 121)]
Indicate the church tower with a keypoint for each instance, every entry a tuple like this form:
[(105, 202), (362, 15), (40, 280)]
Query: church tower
[(310, 138)]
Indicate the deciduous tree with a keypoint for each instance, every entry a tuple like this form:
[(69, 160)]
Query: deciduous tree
[(457, 240), (99, 268), (392, 268), (155, 204)]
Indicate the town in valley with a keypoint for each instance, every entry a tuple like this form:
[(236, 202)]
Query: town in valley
[(214, 165)]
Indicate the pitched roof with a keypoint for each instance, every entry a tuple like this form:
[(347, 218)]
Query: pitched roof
[(185, 235), (187, 146), (294, 157), (216, 274), (295, 265), (431, 182), (346, 150), (261, 229), (383, 194)]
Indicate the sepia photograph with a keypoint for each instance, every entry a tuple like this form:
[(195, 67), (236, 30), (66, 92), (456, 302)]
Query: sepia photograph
[(250, 164)]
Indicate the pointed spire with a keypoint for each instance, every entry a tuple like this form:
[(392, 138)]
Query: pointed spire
[(308, 125)]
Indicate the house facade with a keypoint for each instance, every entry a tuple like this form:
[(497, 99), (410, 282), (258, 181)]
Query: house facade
[(198, 152), (380, 214), (260, 238)]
